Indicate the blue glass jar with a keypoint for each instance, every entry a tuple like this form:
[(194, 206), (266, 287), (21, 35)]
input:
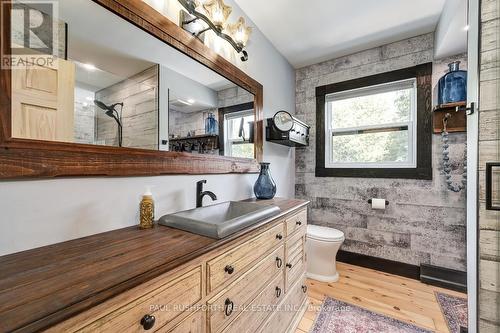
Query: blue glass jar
[(452, 87), (265, 187), (211, 125)]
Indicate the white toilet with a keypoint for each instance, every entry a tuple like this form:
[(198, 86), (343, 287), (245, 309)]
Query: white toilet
[(322, 246)]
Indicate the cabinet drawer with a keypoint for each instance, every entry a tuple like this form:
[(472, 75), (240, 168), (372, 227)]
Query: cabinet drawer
[(295, 259), (165, 303), (254, 315), (195, 323), (226, 306), (288, 310), (296, 221), (237, 260)]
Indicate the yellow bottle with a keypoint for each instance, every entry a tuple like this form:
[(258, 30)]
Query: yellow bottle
[(147, 210)]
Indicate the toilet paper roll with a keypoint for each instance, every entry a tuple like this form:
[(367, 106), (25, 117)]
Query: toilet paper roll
[(378, 203)]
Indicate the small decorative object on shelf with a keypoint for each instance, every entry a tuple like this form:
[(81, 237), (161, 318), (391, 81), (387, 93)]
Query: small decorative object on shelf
[(452, 87), (265, 187), (211, 125), (454, 187), (285, 129), (202, 144), (147, 210)]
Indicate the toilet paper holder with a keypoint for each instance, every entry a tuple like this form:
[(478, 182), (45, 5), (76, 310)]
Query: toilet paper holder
[(386, 202)]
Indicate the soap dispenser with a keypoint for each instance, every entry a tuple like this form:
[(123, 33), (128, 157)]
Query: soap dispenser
[(147, 210)]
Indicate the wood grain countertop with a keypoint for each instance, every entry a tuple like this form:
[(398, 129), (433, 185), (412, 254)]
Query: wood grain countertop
[(44, 286)]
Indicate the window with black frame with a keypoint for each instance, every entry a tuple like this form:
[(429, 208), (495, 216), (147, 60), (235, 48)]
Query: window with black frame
[(376, 126)]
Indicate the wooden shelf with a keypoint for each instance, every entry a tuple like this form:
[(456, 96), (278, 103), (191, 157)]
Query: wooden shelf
[(449, 106), (195, 137), (456, 123)]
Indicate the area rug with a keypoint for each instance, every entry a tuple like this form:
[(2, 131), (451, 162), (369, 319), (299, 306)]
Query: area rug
[(454, 310), (339, 317)]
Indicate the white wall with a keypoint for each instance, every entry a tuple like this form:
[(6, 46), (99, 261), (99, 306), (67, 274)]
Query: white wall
[(37, 213), (451, 35)]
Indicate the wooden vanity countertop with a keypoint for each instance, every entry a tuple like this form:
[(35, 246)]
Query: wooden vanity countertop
[(44, 286)]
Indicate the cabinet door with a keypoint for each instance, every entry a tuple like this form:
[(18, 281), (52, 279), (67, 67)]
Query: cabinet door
[(195, 323), (296, 222), (43, 102), (295, 258), (238, 260), (261, 307), (229, 303), (289, 311), (158, 307)]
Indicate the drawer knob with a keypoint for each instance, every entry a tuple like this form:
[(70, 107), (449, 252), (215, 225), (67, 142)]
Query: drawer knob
[(229, 269), (299, 223), (289, 265), (148, 322), (228, 307), (279, 236), (279, 262), (304, 289), (278, 292)]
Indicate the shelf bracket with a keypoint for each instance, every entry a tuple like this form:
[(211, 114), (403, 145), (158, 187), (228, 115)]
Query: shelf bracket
[(468, 110)]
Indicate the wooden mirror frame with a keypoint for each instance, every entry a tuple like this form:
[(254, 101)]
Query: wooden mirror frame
[(23, 158)]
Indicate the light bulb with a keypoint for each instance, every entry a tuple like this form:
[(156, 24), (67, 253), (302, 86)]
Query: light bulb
[(239, 31), (218, 12)]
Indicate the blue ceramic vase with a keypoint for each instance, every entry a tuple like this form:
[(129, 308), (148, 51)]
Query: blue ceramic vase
[(265, 187), (452, 87)]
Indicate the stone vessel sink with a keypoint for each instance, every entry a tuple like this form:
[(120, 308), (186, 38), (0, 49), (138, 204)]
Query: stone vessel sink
[(220, 220)]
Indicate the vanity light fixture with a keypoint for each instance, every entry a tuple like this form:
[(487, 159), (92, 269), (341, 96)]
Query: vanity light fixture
[(218, 11), (215, 15), (239, 31)]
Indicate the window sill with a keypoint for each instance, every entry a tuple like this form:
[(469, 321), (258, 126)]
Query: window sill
[(401, 173)]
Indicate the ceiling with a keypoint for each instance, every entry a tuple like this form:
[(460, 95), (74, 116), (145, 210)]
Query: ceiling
[(308, 32), (98, 37)]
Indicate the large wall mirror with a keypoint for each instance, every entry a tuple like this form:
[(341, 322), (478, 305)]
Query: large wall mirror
[(118, 86)]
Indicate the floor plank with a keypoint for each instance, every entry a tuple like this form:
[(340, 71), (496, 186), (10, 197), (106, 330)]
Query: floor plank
[(398, 297)]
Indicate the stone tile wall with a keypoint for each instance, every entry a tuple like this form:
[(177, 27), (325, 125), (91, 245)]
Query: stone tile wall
[(139, 94), (425, 222)]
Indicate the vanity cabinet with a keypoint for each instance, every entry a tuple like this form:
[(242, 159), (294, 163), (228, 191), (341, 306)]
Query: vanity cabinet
[(229, 265), (254, 283)]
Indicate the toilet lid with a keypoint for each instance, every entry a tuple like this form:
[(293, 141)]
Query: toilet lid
[(324, 233)]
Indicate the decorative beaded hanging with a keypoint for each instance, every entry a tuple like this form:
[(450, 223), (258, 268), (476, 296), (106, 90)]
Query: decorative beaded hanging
[(457, 187)]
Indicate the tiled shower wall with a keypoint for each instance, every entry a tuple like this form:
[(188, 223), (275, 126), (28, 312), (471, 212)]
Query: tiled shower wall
[(424, 222), (139, 94), (489, 151), (181, 123)]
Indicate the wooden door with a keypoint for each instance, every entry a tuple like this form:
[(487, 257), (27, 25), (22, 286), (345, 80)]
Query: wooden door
[(43, 102)]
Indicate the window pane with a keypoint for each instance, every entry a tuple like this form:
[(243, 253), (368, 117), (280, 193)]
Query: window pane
[(243, 150), (375, 109), (371, 147), (234, 127)]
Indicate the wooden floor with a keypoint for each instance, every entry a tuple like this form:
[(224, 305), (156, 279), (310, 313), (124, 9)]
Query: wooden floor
[(391, 295)]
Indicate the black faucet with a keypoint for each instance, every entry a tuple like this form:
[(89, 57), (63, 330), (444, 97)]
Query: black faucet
[(200, 194)]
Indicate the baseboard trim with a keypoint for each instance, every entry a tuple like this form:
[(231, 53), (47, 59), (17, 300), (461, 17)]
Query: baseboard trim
[(444, 277), (379, 264)]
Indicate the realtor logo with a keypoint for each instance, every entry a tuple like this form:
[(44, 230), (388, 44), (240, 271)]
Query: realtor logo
[(33, 33)]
